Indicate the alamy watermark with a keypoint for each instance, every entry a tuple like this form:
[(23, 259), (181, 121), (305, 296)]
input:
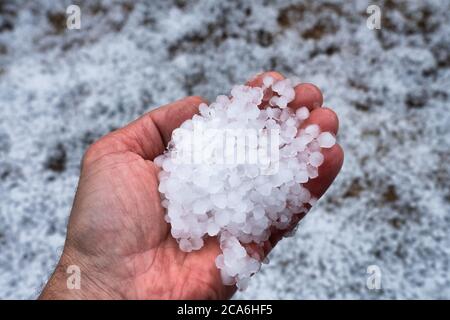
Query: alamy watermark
[(373, 281), (73, 21), (374, 20), (74, 279), (228, 147)]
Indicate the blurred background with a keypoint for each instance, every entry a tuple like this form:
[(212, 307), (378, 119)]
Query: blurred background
[(61, 89)]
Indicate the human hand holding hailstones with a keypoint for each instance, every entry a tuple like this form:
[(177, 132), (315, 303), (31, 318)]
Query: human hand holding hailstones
[(118, 232)]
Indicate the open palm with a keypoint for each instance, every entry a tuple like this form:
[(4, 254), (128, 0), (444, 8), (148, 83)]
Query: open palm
[(117, 234)]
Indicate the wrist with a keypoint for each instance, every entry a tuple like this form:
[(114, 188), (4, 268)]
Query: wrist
[(74, 278)]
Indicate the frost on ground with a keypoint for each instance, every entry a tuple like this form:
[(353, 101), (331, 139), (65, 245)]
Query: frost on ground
[(61, 89)]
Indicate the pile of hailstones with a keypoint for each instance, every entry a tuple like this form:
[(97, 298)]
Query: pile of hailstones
[(237, 201)]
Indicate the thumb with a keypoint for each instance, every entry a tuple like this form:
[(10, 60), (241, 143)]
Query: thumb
[(148, 135)]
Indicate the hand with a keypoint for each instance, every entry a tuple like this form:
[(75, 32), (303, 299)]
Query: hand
[(117, 235)]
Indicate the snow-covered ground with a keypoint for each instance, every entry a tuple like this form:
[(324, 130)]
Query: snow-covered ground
[(61, 89)]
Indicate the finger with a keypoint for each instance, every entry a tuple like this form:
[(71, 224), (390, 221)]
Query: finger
[(307, 95), (170, 117), (333, 160), (257, 81), (278, 234), (325, 118), (262, 250), (149, 135), (328, 171)]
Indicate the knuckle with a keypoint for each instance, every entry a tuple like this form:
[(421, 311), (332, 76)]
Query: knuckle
[(92, 152), (275, 75), (197, 99)]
